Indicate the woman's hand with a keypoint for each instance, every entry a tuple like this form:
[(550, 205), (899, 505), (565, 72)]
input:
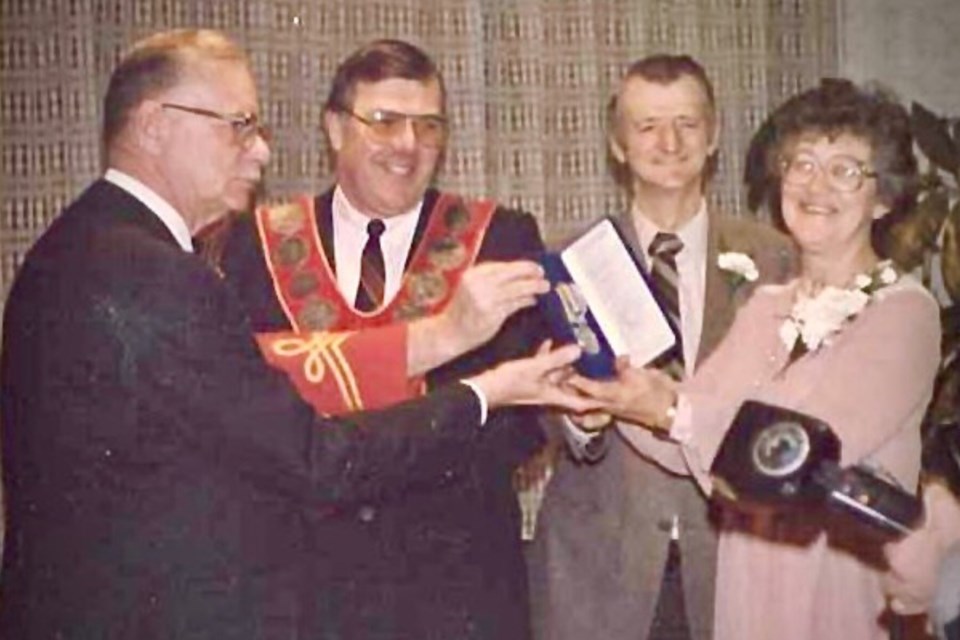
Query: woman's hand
[(915, 560), (644, 396)]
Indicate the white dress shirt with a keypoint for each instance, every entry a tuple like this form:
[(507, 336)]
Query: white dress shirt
[(692, 274), (350, 236), (160, 207)]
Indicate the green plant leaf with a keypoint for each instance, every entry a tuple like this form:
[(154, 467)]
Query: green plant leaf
[(950, 254), (930, 180), (950, 322), (917, 233), (933, 138)]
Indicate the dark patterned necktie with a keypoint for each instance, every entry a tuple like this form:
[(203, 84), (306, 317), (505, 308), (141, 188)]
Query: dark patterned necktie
[(372, 272), (663, 273), (670, 615)]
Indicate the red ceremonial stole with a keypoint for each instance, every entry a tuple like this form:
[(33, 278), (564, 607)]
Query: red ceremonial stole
[(341, 359)]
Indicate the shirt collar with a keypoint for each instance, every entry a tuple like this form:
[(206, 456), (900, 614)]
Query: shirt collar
[(693, 234), (350, 215), (160, 207)]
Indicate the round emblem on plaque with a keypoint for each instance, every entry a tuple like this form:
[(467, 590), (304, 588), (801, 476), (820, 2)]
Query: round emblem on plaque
[(316, 315), (291, 252), (302, 284), (426, 288), (457, 218), (446, 254), (780, 449), (286, 219)]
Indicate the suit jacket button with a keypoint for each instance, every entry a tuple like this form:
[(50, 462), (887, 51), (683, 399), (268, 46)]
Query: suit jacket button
[(366, 513), (664, 524)]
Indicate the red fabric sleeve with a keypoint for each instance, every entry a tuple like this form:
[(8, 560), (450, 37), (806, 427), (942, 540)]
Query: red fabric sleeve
[(342, 371)]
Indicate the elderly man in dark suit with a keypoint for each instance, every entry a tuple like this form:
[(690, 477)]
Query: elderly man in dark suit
[(614, 527), (445, 560), (160, 478)]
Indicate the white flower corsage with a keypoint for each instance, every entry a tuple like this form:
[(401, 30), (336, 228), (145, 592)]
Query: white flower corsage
[(741, 266), (815, 320)]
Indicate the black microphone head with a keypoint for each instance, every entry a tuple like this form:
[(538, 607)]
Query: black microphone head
[(769, 456)]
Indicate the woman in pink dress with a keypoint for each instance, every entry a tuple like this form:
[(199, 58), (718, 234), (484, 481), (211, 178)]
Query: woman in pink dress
[(852, 342)]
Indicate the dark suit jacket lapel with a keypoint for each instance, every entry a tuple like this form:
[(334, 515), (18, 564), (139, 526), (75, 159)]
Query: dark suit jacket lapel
[(109, 199), (426, 209), (324, 210)]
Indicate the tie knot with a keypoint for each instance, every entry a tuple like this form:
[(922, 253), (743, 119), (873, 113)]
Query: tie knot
[(375, 228), (666, 244)]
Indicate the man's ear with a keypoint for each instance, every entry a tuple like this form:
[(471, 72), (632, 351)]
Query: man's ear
[(714, 135), (333, 125), (149, 127), (616, 148)]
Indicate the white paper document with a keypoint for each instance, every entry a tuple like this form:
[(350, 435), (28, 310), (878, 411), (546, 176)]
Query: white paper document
[(618, 295)]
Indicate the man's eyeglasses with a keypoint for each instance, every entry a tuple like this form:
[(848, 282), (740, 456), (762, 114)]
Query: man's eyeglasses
[(430, 129), (843, 173), (246, 126)]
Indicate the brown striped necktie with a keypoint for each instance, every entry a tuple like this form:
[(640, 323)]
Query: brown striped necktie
[(372, 272), (663, 274)]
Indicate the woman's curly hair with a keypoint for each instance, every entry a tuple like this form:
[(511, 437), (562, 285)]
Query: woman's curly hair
[(834, 108)]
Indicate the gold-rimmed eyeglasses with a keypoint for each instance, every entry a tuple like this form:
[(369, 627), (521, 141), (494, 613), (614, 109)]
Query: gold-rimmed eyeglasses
[(246, 126), (844, 173), (429, 129)]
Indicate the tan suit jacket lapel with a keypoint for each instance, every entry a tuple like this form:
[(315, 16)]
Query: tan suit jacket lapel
[(629, 232), (719, 306)]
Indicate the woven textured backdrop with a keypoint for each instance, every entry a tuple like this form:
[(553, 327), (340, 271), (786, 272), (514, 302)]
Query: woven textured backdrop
[(527, 82)]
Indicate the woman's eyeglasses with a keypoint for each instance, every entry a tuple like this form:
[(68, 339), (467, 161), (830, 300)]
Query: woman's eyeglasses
[(844, 173)]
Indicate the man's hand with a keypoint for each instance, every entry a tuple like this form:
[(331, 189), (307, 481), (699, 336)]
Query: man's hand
[(642, 396), (486, 296), (537, 380), (592, 421)]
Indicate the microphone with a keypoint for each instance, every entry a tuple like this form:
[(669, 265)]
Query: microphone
[(777, 459), (869, 498)]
